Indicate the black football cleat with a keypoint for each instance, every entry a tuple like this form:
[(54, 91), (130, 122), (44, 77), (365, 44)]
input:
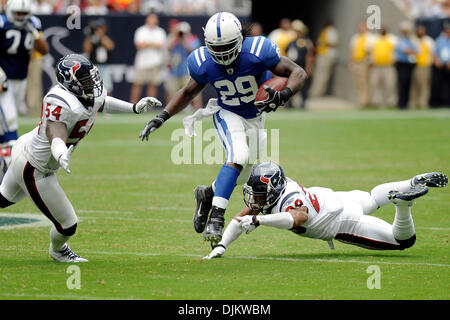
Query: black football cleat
[(431, 179), (204, 196), (213, 232), (407, 198)]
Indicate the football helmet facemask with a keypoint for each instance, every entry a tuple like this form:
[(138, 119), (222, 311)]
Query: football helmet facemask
[(264, 186), (223, 37), (80, 77), (18, 12)]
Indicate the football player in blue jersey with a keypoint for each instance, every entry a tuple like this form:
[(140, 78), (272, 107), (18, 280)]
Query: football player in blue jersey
[(20, 33), (236, 66)]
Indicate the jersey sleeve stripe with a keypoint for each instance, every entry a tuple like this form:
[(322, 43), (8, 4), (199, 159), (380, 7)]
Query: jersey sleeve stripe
[(286, 198), (258, 51), (197, 57), (202, 54), (52, 95), (255, 40)]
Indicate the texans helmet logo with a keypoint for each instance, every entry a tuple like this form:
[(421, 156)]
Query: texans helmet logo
[(271, 181), (69, 71)]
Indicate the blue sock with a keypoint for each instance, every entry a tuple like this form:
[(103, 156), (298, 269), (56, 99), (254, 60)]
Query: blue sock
[(225, 183)]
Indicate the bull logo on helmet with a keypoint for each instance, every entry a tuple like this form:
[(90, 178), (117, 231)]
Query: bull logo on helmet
[(69, 71)]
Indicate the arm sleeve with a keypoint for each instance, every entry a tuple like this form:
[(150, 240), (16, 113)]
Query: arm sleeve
[(114, 105), (280, 220), (231, 233)]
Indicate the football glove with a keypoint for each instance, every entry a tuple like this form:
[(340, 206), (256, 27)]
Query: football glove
[(154, 124), (217, 252), (248, 223), (31, 29), (64, 159), (3, 80), (145, 104), (275, 99)]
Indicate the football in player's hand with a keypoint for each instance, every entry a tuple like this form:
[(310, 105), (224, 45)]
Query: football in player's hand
[(277, 83)]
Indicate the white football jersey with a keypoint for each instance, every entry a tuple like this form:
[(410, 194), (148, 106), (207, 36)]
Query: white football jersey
[(59, 105), (323, 208)]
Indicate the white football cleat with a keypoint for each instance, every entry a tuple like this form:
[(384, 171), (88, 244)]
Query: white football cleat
[(217, 252), (66, 255)]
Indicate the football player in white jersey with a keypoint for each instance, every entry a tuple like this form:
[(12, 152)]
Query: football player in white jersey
[(321, 213), (68, 113)]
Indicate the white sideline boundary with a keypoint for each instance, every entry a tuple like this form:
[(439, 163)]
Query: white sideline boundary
[(281, 259), (273, 258), (58, 296)]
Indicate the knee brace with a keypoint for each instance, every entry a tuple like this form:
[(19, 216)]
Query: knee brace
[(4, 202), (408, 243), (69, 231)]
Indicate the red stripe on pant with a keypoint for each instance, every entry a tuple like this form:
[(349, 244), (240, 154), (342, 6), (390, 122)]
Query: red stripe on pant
[(30, 183)]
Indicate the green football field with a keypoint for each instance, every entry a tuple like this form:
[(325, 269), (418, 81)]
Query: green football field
[(135, 211)]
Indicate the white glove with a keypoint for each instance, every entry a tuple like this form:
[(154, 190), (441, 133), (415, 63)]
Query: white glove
[(145, 104), (34, 32), (64, 159), (247, 223), (3, 80), (217, 252)]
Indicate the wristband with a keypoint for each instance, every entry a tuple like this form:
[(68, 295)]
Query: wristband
[(255, 221), (164, 116)]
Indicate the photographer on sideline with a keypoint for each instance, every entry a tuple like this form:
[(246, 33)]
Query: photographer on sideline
[(181, 43), (98, 46)]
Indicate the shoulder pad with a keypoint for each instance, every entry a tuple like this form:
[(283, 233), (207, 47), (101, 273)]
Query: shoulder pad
[(36, 22)]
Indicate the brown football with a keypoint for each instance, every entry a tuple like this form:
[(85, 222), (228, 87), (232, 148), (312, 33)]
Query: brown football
[(277, 83)]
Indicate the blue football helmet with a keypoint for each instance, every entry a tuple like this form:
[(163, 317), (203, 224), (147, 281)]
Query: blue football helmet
[(79, 76), (264, 186)]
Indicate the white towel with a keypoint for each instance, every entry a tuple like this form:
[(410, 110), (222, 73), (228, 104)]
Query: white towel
[(188, 122)]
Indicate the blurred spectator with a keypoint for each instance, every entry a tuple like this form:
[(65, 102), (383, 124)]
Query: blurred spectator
[(33, 91), (301, 51), (441, 72), (149, 40), (256, 29), (181, 44), (131, 6), (98, 46), (421, 79), (383, 79), (360, 45), (189, 7), (60, 7), (41, 7), (426, 8), (283, 35), (405, 60), (151, 6), (326, 58), (96, 7)]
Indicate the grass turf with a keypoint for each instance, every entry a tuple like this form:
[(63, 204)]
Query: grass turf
[(135, 209)]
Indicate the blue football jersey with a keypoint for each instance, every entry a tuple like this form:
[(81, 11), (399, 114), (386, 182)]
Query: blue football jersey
[(237, 84), (15, 47)]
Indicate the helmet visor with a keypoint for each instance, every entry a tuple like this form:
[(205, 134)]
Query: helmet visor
[(224, 53), (92, 85)]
